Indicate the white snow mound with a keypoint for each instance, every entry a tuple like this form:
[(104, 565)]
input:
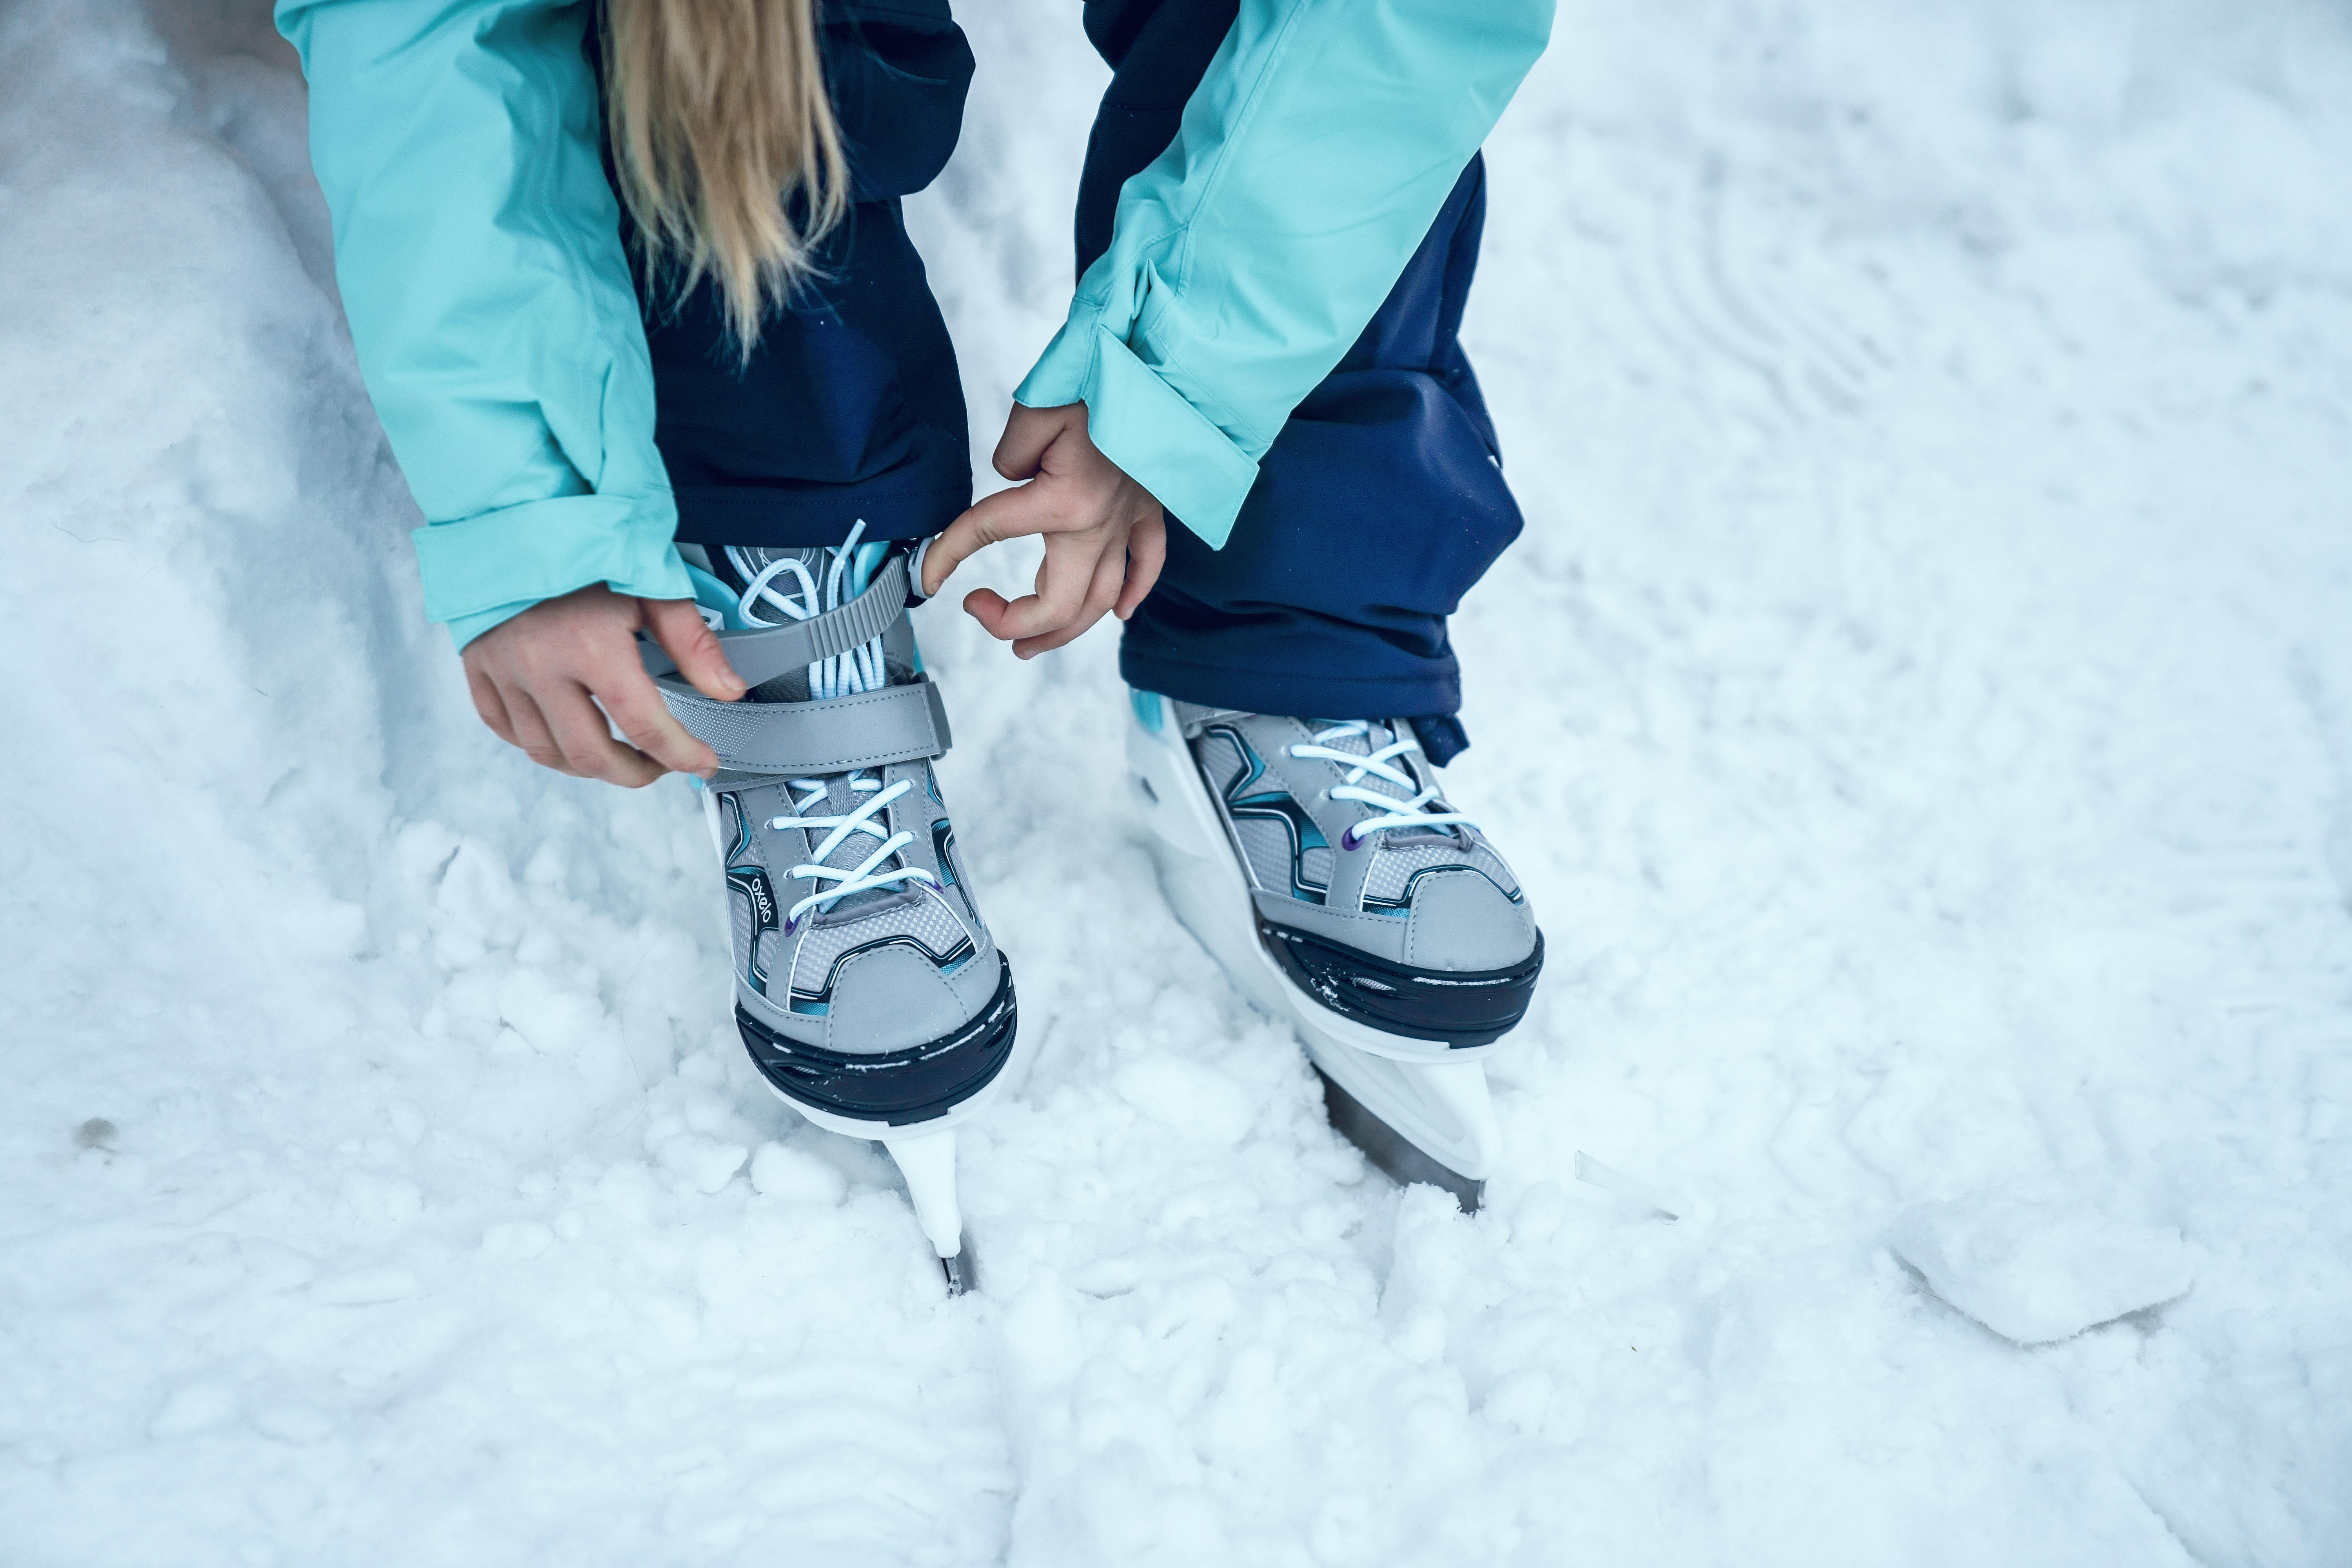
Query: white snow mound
[(2038, 1269)]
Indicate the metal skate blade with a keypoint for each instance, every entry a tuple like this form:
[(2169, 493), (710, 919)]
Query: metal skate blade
[(1384, 1147), (962, 1270)]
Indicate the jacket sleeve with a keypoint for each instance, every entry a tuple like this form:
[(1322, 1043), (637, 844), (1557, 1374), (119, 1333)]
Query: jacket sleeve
[(477, 247), (1244, 261)]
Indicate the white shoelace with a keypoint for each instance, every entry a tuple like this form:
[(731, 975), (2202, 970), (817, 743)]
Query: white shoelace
[(1404, 813), (843, 675), (864, 876)]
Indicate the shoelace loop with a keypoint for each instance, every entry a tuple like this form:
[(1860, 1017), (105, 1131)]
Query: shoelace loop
[(843, 675), (1404, 813)]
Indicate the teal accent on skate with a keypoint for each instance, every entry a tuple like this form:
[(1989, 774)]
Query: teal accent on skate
[(1148, 709), (711, 593), (863, 564)]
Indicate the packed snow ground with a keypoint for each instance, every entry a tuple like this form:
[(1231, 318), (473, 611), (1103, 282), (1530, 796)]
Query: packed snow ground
[(1921, 706)]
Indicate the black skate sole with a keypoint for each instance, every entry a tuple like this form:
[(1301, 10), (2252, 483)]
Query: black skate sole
[(894, 1088), (1390, 1151), (1457, 1008)]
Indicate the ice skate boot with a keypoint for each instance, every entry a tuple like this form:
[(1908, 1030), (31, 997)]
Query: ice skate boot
[(867, 990), (1317, 861)]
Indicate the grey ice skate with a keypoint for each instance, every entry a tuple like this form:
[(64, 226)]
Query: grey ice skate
[(867, 989), (1319, 862)]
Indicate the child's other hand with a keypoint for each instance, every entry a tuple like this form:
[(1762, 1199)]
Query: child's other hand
[(1105, 538), (534, 679)]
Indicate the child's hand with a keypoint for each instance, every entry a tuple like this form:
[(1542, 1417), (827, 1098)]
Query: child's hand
[(1105, 539), (532, 678)]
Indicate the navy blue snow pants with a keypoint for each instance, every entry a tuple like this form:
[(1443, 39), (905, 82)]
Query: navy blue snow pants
[(1379, 504)]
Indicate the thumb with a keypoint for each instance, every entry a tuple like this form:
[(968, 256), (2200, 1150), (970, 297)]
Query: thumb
[(1028, 431), (1007, 514), (678, 626)]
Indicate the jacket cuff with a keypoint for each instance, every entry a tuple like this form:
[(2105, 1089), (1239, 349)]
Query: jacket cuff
[(1145, 426), (490, 568)]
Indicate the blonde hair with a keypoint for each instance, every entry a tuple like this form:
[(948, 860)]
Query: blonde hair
[(728, 155)]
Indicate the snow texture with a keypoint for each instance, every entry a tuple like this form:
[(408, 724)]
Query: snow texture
[(2042, 1268), (1920, 709)]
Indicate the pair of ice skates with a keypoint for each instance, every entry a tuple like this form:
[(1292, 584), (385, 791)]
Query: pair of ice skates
[(1316, 859)]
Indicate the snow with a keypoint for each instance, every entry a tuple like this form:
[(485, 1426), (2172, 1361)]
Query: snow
[(2041, 1266), (1921, 708)]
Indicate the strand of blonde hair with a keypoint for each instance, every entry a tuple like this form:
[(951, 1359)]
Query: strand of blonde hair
[(730, 159)]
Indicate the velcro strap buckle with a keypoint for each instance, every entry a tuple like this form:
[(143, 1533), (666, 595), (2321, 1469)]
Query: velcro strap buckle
[(832, 735), (768, 652)]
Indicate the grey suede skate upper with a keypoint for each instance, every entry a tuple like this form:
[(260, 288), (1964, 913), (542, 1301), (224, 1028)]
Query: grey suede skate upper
[(1430, 897)]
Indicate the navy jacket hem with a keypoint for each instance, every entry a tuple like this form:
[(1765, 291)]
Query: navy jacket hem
[(821, 514)]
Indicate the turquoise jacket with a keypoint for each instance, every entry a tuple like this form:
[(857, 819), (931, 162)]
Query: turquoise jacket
[(478, 248)]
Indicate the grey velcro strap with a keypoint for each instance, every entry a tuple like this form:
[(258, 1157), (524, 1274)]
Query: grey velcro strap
[(767, 653), (896, 724)]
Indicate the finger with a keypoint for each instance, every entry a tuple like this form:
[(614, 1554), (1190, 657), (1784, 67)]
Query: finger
[(490, 706), (532, 734), (1007, 514), (1102, 592), (1028, 431), (678, 627), (1066, 581), (1062, 582), (579, 729), (635, 704), (1146, 553), (984, 605)]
